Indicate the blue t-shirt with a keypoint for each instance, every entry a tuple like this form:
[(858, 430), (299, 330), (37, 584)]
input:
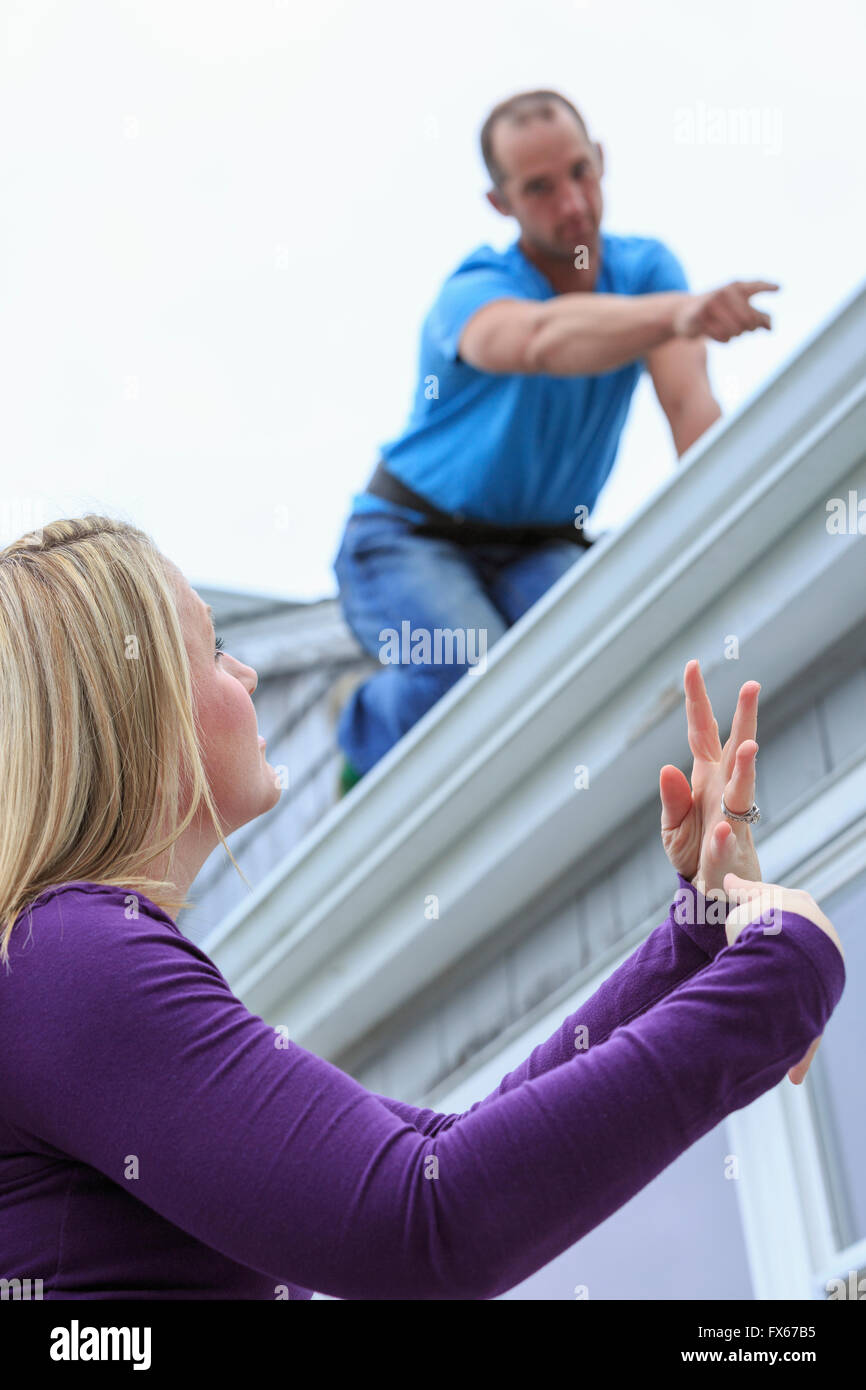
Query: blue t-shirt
[(516, 448)]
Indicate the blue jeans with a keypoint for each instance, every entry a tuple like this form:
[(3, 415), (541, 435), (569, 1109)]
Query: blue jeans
[(390, 577)]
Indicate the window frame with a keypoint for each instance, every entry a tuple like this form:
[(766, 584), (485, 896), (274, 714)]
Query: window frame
[(787, 1212)]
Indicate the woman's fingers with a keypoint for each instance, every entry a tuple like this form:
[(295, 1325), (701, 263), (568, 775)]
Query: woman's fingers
[(725, 851), (676, 795), (680, 827), (740, 789), (745, 722), (704, 740), (750, 900), (720, 849), (703, 728), (798, 1072), (755, 901)]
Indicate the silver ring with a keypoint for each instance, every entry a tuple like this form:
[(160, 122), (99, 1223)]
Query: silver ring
[(752, 816)]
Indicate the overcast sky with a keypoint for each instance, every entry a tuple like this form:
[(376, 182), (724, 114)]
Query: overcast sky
[(224, 222)]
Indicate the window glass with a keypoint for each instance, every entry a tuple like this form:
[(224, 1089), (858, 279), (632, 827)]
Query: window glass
[(679, 1238), (836, 1083)]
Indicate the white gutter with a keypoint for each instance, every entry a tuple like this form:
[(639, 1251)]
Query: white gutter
[(477, 803)]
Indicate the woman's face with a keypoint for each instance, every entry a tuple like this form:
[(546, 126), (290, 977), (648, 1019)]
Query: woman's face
[(243, 784)]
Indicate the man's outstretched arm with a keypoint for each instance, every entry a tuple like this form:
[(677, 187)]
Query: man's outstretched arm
[(582, 334), (679, 375)]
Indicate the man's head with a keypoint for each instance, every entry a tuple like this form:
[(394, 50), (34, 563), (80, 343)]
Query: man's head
[(546, 171)]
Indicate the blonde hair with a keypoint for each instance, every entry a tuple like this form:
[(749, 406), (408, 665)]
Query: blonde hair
[(99, 732)]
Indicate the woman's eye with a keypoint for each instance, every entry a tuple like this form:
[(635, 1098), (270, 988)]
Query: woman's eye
[(219, 646)]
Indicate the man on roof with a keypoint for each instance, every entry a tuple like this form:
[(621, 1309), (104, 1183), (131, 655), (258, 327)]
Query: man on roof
[(528, 361)]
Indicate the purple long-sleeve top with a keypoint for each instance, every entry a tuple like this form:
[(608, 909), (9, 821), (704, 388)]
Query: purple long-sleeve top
[(158, 1140)]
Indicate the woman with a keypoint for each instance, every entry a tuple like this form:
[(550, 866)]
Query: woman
[(159, 1141)]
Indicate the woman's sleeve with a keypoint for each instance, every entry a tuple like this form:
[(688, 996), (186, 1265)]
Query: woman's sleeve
[(691, 935), (123, 1039)]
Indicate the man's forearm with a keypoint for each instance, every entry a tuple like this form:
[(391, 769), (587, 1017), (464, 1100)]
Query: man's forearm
[(689, 420), (585, 334)]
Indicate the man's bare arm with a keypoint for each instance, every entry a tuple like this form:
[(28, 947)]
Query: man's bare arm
[(584, 334), (577, 334), (679, 375)]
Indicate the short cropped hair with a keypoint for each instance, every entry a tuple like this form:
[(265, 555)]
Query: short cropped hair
[(523, 107)]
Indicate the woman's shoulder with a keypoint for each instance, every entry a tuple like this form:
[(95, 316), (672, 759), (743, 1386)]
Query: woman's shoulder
[(86, 895), (102, 995), (88, 958), (83, 925)]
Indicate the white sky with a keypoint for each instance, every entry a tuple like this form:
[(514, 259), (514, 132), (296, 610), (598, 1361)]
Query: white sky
[(224, 222)]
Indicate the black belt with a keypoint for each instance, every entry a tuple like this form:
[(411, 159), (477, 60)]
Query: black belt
[(467, 530)]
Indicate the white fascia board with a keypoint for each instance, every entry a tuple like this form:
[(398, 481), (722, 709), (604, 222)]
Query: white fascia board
[(477, 803)]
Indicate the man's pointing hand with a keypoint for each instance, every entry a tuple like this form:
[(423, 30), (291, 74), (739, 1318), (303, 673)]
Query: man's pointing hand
[(722, 314)]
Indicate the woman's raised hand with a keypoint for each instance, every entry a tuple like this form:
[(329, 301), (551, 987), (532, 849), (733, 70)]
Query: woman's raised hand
[(699, 842)]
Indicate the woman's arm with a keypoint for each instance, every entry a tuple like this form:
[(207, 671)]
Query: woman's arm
[(698, 847), (122, 1038), (691, 935)]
